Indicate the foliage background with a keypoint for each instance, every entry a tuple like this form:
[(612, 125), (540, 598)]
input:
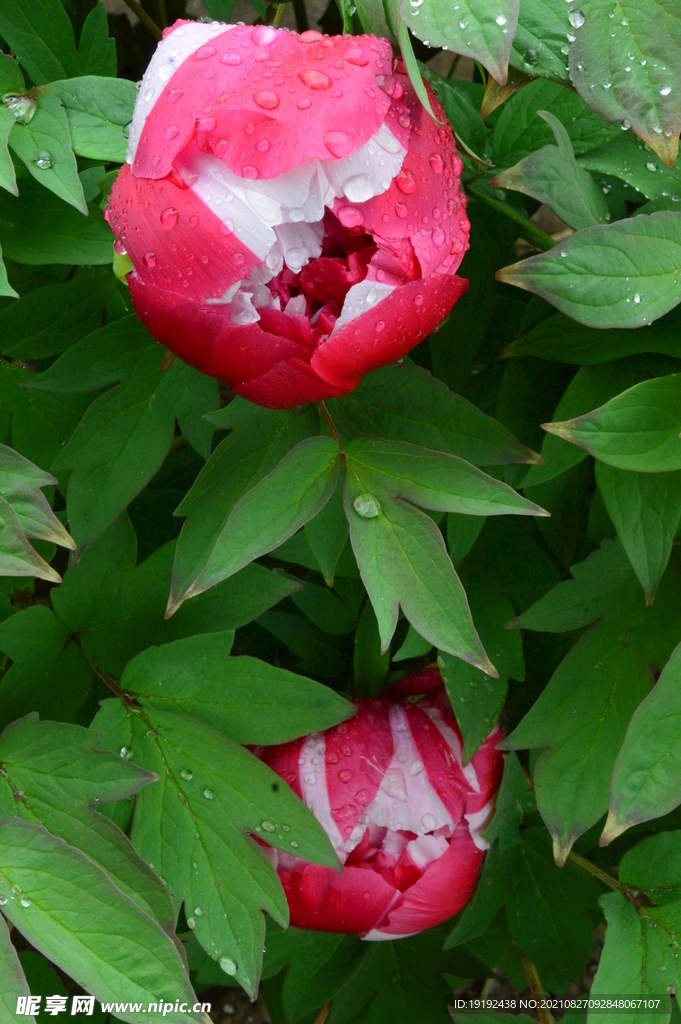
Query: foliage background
[(120, 470)]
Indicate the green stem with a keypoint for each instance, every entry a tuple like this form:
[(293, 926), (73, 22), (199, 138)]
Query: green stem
[(457, 58), (148, 22), (331, 426), (536, 988), (279, 15), (161, 14), (602, 876), (527, 230)]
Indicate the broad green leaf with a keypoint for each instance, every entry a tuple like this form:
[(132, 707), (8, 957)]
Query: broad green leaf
[(41, 36), (414, 646), (652, 866), (98, 111), (49, 673), (583, 713), (645, 509), (48, 320), (476, 698), (637, 430), (37, 227), (61, 777), (72, 913), (119, 445), (646, 779), (638, 958), (575, 603), (323, 608), (11, 78), (373, 16), (250, 701), (642, 90), (327, 534), (434, 480), (17, 557), (44, 144), (14, 981), (191, 825), (403, 561), (535, 893), (562, 339), (629, 159), (96, 51), (370, 663), (552, 176), (406, 403), (462, 533), (611, 275), (320, 964), (590, 388), (316, 653), (195, 396), (220, 10), (519, 130), (8, 176), (412, 66), (20, 483), (117, 608), (461, 113), (292, 494), (515, 800), (541, 39), (258, 441), (105, 356), (476, 29)]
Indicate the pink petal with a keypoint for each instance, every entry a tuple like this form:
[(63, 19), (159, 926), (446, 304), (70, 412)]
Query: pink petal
[(353, 902)]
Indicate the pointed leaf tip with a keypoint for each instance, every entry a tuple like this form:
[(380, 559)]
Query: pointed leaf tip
[(613, 828)]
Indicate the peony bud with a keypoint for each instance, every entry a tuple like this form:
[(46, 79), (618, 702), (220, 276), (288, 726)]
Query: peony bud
[(403, 814), (293, 215)]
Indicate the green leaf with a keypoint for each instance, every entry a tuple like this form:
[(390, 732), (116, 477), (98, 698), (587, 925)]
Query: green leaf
[(370, 663), (652, 866), (259, 440), (44, 144), (647, 95), (98, 111), (647, 774), (250, 701), (411, 64), (515, 800), (17, 557), (575, 603), (434, 480), (540, 39), (79, 919), (403, 561), (119, 445), (213, 789), (327, 534), (645, 509), (583, 713), (612, 275), (96, 51), (476, 698), (49, 673), (564, 340), (61, 776), (552, 176), (37, 228), (638, 958), (11, 78), (50, 319), (414, 646), (461, 113), (462, 533), (20, 483), (320, 965), (520, 131), (293, 493), (8, 176), (406, 403), (629, 159), (637, 430), (41, 36), (474, 30), (323, 608), (14, 980), (196, 395), (117, 608)]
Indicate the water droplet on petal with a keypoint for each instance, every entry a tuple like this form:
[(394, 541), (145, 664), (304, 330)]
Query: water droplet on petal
[(120, 249), (438, 236), (204, 52), (345, 775), (174, 95), (315, 79), (355, 55), (406, 182), (310, 779), (249, 171), (350, 217), (436, 162), (267, 99), (169, 217), (429, 821), (304, 104), (339, 144), (171, 131), (231, 58), (401, 210)]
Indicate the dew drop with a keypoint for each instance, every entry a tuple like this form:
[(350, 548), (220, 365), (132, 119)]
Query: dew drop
[(380, 325), (651, 166), (607, 84), (350, 217), (249, 171), (293, 844), (44, 160), (204, 52), (227, 965), (500, 19), (406, 182), (576, 19), (436, 162), (169, 217), (355, 55), (120, 249), (429, 821), (625, 124), (209, 794), (367, 506), (438, 236), (25, 902), (665, 90), (3, 901), (191, 923), (186, 773), (20, 106), (233, 59), (418, 300), (637, 297), (267, 99), (530, 57), (174, 95), (416, 768), (315, 79), (268, 826), (16, 889), (339, 144), (310, 779), (345, 775)]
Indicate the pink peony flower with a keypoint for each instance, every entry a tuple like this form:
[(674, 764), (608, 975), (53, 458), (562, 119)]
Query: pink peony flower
[(403, 814), (293, 216)]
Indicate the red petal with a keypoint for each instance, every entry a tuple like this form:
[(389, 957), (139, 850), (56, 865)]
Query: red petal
[(287, 93), (489, 767), (353, 902), (442, 769), (441, 892)]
